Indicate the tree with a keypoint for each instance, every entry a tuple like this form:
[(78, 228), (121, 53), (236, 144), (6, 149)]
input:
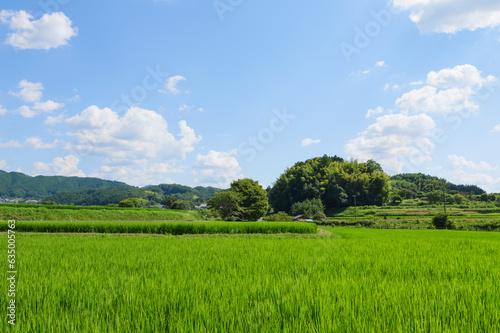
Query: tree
[(253, 199), (169, 201), (308, 207), (225, 204), (333, 180)]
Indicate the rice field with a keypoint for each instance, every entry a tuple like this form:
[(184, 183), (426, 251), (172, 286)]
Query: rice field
[(169, 228), (357, 280)]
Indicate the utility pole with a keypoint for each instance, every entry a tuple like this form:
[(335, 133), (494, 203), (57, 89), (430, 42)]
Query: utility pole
[(355, 213), (444, 199)]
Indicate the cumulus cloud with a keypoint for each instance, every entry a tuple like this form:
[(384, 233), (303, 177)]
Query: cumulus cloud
[(393, 137), (380, 64), (47, 106), (3, 111), (497, 128), (11, 144), (67, 166), (449, 90), (463, 171), (142, 174), (373, 112), (406, 139), (217, 169), (137, 136), (50, 31), (308, 141), (30, 92), (461, 162), (37, 143), (451, 16), (171, 84), (54, 120)]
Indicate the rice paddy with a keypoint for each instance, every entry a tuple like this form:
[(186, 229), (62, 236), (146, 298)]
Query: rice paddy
[(357, 280)]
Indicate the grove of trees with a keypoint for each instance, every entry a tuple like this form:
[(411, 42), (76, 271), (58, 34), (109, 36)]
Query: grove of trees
[(332, 180)]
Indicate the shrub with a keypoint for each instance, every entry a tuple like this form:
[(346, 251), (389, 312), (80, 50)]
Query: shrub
[(279, 217), (319, 217), (441, 221)]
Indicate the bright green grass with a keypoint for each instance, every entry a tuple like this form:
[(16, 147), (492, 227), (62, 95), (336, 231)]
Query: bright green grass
[(173, 228), (360, 280), (54, 213)]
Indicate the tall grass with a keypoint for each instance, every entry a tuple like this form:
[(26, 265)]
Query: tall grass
[(174, 228), (361, 280), (41, 213)]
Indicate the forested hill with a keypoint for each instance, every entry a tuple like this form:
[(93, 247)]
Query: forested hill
[(19, 185), (153, 194), (422, 184)]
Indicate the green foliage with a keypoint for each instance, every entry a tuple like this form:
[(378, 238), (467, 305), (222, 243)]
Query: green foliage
[(308, 207), (279, 217), (172, 202), (333, 180), (360, 280), (253, 201), (396, 200), (225, 204), (18, 185), (442, 221), (319, 217), (75, 213), (425, 184), (173, 228)]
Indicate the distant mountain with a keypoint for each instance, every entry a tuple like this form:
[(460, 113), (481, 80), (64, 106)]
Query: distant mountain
[(93, 191), (155, 194), (421, 184), (19, 185)]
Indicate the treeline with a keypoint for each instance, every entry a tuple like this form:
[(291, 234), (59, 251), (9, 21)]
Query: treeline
[(332, 180), (412, 185), (151, 195), (18, 185)]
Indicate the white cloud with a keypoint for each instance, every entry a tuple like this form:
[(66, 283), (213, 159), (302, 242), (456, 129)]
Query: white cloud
[(139, 175), (381, 64), (50, 31), (37, 143), (393, 137), (463, 76), (462, 171), (54, 120), (67, 166), (47, 106), (171, 84), (137, 136), (11, 144), (461, 162), (417, 83), (308, 141), (25, 111), (3, 165), (451, 16), (217, 169), (3, 111), (74, 99), (29, 91), (497, 128), (372, 112), (449, 90)]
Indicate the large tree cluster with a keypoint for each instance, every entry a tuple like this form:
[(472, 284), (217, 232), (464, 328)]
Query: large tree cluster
[(332, 180)]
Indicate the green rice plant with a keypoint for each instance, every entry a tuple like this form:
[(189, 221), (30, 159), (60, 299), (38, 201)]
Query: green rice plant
[(359, 280), (173, 228)]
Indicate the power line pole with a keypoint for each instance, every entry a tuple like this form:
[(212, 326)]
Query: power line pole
[(355, 213), (444, 199)]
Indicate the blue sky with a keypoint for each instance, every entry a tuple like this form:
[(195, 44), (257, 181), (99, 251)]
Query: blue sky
[(203, 93)]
